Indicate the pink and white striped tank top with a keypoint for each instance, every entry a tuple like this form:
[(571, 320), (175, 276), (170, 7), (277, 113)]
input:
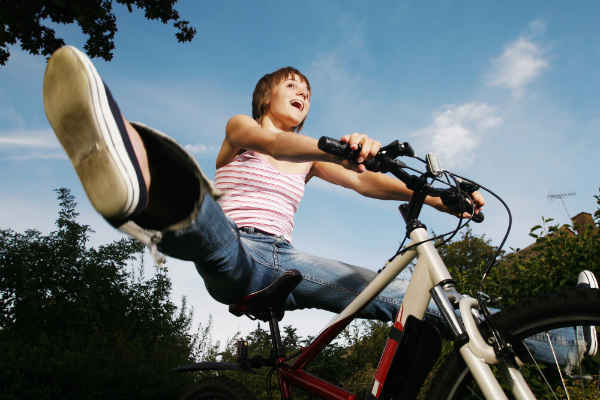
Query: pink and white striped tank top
[(256, 194)]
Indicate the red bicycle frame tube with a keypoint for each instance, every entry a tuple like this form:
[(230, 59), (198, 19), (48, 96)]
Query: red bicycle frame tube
[(296, 375), (310, 352), (385, 362), (313, 384)]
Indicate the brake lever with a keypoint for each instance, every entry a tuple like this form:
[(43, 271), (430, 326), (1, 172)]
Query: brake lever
[(471, 187), (397, 149), (478, 218), (459, 204), (468, 187)]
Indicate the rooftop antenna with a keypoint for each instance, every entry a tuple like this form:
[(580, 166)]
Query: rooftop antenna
[(561, 197)]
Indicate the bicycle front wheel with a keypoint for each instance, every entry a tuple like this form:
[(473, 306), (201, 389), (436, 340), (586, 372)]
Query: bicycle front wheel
[(548, 334), (218, 388)]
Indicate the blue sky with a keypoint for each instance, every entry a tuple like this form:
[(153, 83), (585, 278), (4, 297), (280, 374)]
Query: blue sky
[(503, 92)]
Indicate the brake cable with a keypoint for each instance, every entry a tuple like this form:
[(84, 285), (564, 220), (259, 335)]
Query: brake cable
[(493, 259), (452, 233)]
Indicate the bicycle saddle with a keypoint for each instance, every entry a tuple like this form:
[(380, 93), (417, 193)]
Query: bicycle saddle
[(259, 304)]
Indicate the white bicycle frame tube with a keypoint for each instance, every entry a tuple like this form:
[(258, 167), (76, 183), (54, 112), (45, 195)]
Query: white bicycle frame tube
[(429, 272), (478, 356), (391, 270)]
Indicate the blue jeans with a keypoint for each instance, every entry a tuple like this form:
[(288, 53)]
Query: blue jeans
[(234, 263)]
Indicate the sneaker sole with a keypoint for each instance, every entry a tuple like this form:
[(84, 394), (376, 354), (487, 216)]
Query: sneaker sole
[(588, 279), (89, 126)]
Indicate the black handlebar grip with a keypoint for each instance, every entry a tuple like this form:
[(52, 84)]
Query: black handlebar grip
[(478, 217), (335, 147), (341, 149)]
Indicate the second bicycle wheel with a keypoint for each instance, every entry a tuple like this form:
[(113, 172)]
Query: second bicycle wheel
[(218, 388), (548, 335)]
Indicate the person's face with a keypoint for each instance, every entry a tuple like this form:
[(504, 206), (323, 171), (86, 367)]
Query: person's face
[(290, 102)]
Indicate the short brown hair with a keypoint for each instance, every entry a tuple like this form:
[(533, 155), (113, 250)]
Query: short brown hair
[(262, 92)]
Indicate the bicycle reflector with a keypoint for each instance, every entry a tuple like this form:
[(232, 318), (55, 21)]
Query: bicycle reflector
[(433, 165)]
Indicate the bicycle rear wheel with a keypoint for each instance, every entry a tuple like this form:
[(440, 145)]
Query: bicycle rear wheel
[(535, 328), (218, 388)]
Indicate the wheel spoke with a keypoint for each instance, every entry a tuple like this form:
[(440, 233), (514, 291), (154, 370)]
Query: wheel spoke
[(537, 366), (474, 394), (562, 380), (545, 332)]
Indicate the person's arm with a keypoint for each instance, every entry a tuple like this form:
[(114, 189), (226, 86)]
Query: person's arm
[(380, 186), (369, 184), (242, 132), (374, 184)]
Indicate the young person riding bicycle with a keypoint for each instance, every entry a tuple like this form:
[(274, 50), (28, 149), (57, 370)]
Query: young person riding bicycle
[(238, 232)]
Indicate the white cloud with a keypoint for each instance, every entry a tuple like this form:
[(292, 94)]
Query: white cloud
[(456, 131), (537, 27), (30, 145), (343, 100), (36, 139), (38, 156), (180, 112), (8, 113), (522, 61), (199, 148), (340, 91), (22, 63), (323, 185)]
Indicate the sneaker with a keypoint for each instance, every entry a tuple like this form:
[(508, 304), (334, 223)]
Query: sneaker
[(90, 127), (587, 279)]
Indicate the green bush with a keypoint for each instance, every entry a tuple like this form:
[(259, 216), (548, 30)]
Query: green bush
[(81, 322)]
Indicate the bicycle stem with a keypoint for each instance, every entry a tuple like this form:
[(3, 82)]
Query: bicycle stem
[(411, 211)]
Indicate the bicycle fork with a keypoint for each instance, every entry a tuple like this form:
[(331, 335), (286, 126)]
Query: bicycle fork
[(479, 355), (476, 352)]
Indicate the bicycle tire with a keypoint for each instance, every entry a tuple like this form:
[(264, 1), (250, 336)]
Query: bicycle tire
[(576, 307), (218, 388)]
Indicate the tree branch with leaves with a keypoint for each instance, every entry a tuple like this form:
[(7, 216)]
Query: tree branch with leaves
[(26, 22)]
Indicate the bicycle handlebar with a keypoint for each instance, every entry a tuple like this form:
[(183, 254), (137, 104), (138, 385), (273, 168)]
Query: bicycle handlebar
[(385, 161)]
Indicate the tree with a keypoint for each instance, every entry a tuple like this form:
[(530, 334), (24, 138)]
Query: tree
[(467, 259), (76, 322), (552, 262), (25, 21)]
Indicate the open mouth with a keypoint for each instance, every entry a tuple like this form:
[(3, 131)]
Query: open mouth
[(298, 104)]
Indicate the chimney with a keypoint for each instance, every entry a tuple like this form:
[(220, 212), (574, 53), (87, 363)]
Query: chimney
[(581, 221)]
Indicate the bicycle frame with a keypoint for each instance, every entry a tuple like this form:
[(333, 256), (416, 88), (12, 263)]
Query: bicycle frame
[(430, 276)]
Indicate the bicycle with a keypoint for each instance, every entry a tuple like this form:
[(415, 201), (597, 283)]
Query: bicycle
[(493, 352)]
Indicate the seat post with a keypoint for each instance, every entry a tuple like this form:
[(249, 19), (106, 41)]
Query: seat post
[(278, 350)]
